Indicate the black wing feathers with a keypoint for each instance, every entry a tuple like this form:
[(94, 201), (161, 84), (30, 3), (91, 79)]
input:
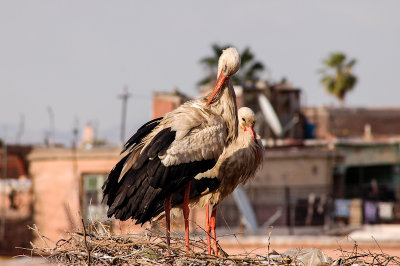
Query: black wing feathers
[(140, 194), (110, 186), (177, 187), (141, 132), (160, 142)]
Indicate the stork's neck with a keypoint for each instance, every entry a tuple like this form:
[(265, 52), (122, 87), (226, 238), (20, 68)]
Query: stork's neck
[(226, 107)]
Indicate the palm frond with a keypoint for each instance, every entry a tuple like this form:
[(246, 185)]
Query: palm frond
[(205, 81), (246, 56), (342, 81), (209, 61)]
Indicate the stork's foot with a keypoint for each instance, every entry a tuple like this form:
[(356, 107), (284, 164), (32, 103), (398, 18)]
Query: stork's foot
[(213, 225), (208, 228)]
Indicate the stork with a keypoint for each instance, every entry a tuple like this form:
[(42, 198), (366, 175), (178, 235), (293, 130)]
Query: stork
[(236, 165), (166, 153)]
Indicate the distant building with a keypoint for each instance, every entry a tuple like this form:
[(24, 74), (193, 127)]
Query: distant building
[(164, 102), (67, 186), (15, 199), (370, 170), (334, 122), (288, 177), (286, 102)]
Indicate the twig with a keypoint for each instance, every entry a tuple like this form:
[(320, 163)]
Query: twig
[(84, 239), (36, 229), (377, 244), (237, 240), (269, 242)]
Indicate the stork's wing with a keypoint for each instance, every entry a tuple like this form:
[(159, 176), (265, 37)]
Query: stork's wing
[(140, 133), (111, 186), (236, 165), (187, 141), (243, 158)]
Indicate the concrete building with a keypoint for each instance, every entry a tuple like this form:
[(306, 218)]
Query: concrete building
[(286, 102), (288, 178), (366, 163), (352, 122), (164, 102), (67, 186), (15, 199)]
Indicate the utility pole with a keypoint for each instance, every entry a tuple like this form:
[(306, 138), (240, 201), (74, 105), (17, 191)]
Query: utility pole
[(124, 96), (3, 188), (21, 128), (52, 127)]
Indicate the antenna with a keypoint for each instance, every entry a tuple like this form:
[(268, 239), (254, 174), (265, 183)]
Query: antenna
[(75, 132), (95, 125), (3, 177), (21, 128), (51, 120), (124, 96)]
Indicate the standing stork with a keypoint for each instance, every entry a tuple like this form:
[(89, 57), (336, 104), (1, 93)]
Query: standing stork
[(166, 153), (236, 165)]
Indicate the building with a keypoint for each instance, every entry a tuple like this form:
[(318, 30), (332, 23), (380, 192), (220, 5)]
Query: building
[(67, 186), (285, 100), (288, 178), (164, 102), (342, 122), (15, 199)]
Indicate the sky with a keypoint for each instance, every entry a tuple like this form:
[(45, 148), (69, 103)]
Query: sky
[(74, 57)]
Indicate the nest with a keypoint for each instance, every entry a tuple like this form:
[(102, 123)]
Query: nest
[(359, 256), (96, 245)]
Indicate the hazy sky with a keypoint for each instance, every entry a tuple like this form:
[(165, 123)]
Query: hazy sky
[(76, 56)]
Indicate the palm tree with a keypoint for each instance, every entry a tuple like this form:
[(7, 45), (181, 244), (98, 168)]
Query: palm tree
[(338, 78), (250, 69)]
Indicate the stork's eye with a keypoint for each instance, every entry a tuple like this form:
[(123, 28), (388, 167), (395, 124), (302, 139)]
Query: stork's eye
[(243, 119), (226, 66)]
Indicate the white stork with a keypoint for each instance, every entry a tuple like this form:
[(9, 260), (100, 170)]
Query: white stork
[(236, 165), (165, 154)]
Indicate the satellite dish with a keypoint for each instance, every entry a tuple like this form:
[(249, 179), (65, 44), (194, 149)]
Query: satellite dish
[(245, 209), (270, 115)]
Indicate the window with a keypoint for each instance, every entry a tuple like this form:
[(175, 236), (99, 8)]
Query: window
[(92, 197)]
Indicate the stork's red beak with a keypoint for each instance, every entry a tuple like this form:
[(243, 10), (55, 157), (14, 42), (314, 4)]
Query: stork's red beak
[(218, 85), (251, 129)]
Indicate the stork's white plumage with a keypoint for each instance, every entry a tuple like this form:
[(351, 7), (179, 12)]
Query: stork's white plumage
[(236, 165), (165, 154)]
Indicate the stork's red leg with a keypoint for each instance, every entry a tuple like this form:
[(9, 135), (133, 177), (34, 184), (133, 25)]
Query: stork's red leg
[(212, 224), (208, 228), (167, 209), (186, 214)]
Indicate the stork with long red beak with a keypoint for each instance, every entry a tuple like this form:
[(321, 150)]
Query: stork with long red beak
[(236, 165), (165, 154)]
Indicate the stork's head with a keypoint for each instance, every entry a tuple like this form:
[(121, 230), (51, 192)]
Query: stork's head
[(228, 64), (247, 119)]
